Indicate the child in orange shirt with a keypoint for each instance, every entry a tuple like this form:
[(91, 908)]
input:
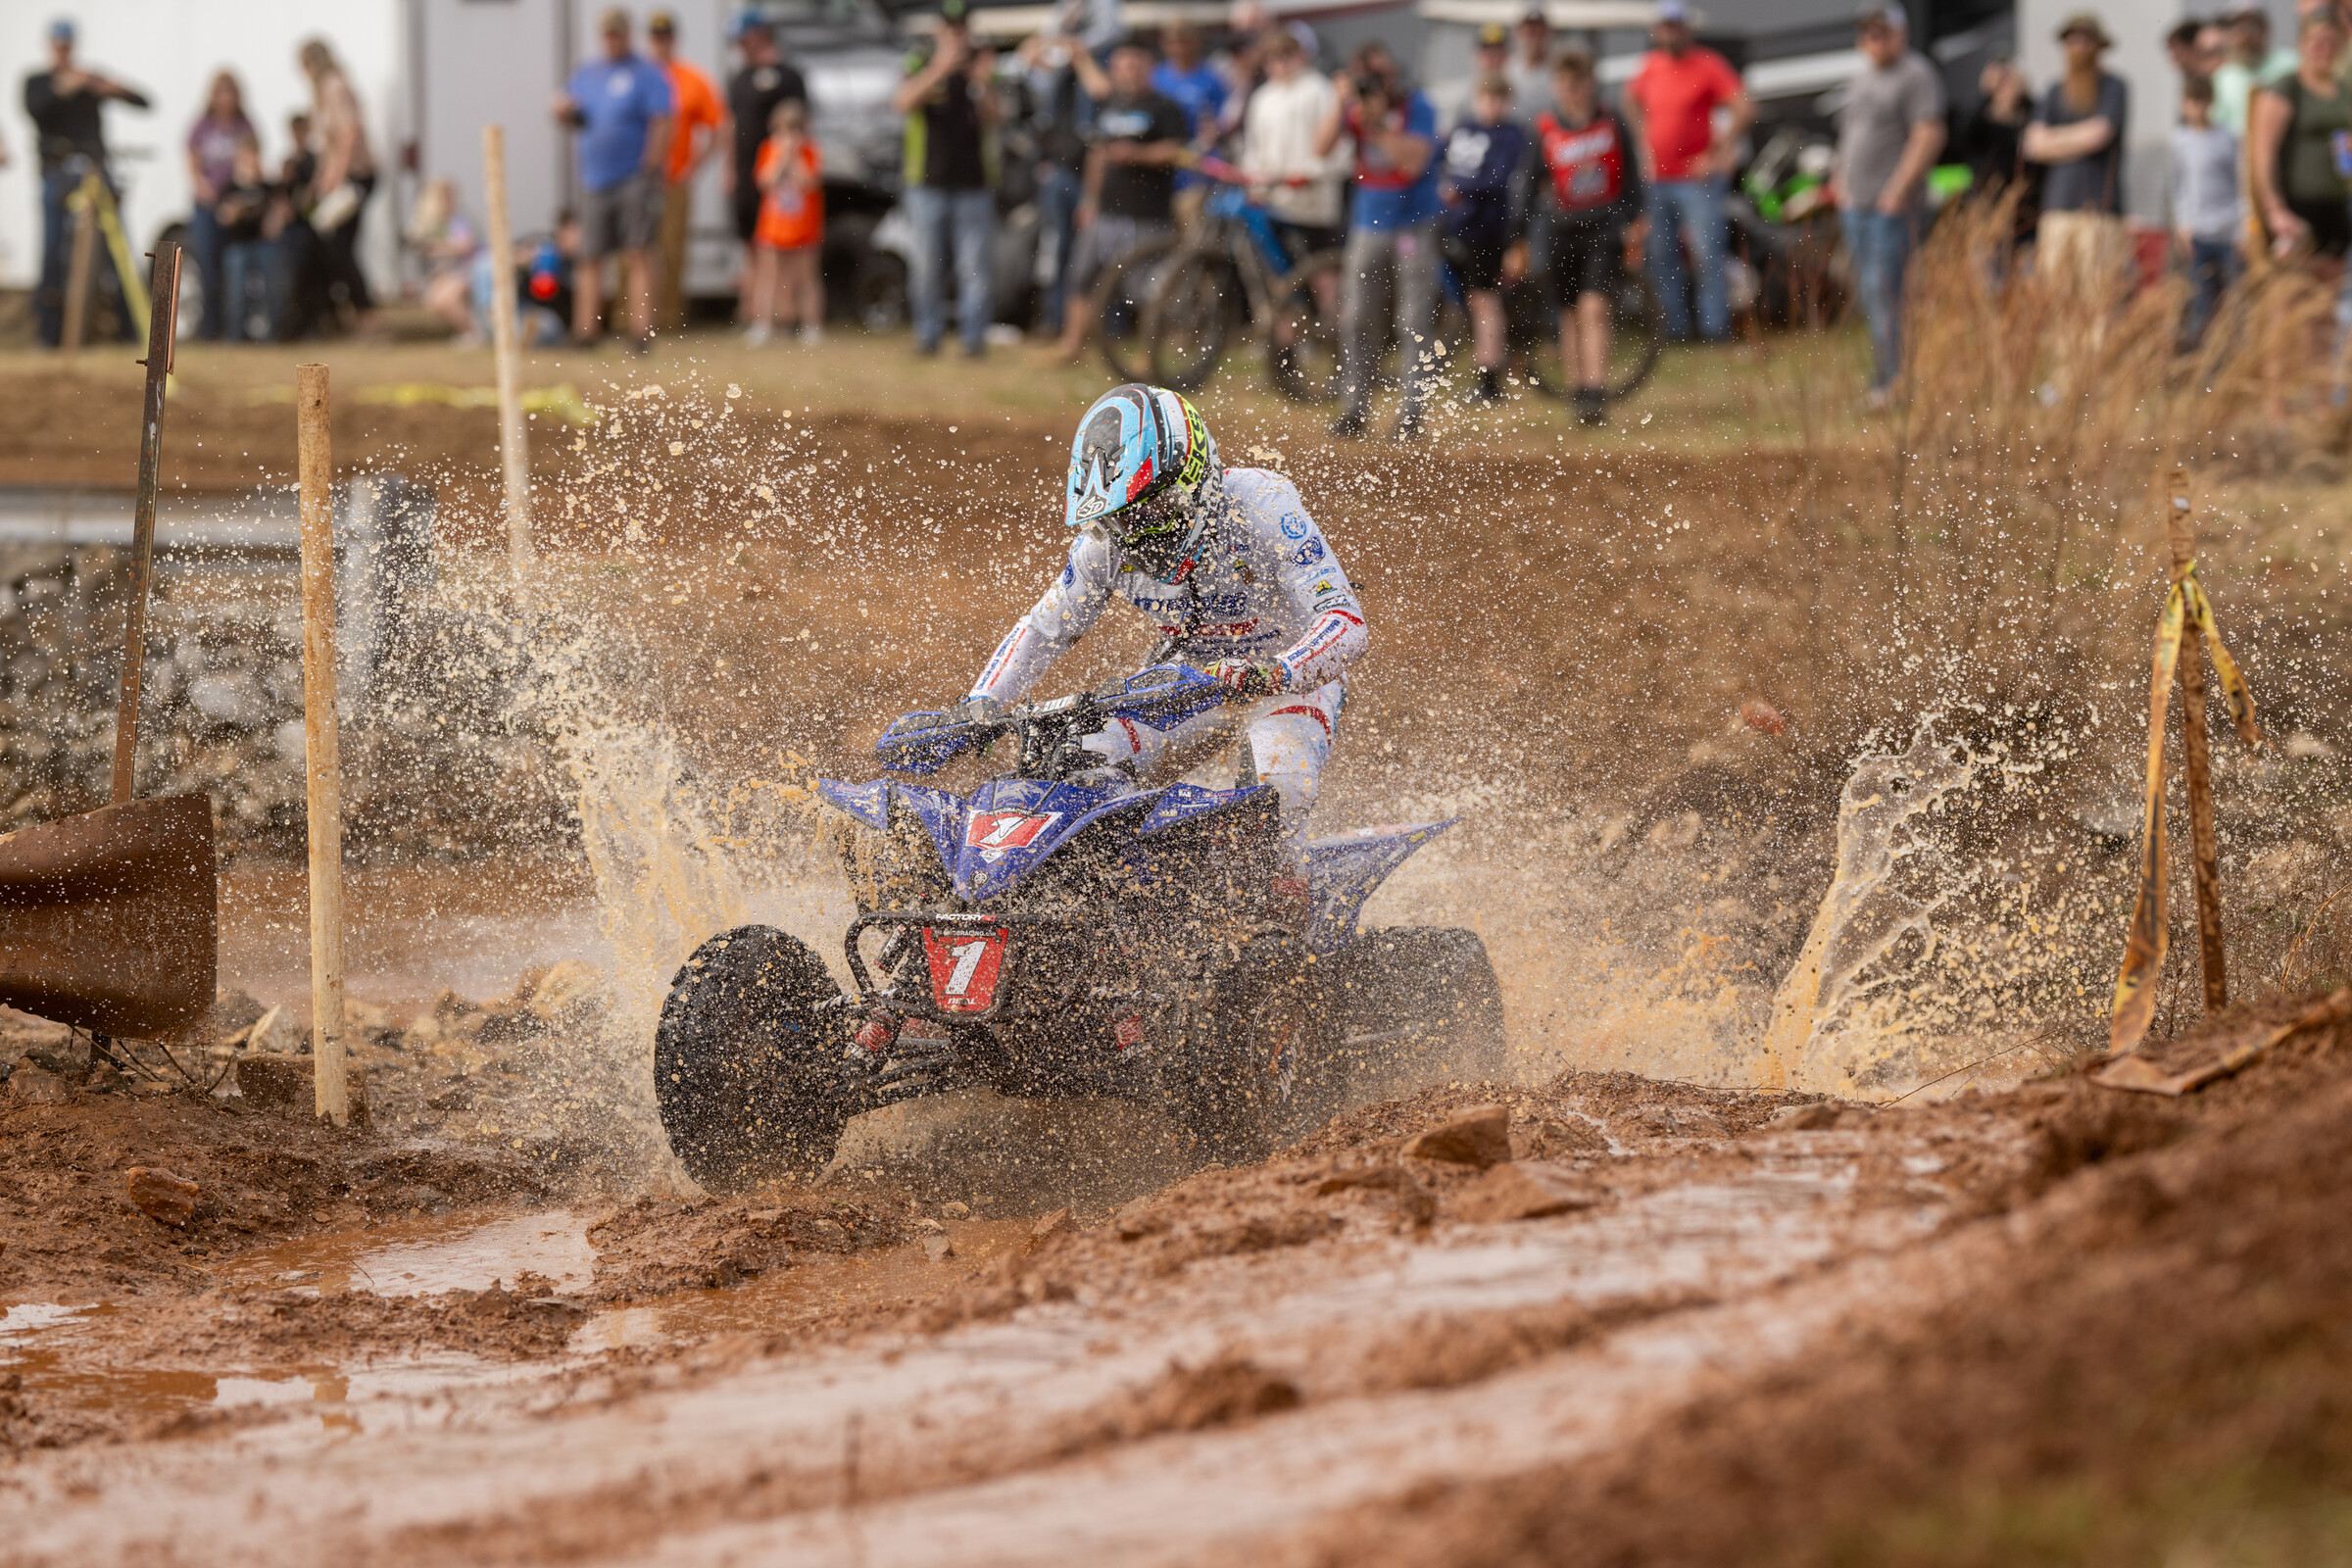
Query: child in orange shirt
[(792, 228)]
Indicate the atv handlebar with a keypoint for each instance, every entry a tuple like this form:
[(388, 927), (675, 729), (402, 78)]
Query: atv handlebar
[(1049, 731)]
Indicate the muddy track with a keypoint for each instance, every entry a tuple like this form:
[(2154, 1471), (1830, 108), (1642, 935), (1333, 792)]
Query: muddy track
[(1342, 1346)]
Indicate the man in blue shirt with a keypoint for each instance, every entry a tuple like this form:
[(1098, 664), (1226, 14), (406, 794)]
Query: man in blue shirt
[(1189, 81), (1391, 233), (620, 106)]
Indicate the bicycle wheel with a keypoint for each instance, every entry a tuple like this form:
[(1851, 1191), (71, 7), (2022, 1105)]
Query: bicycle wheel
[(1637, 331), (1189, 318), (1122, 300), (1532, 327), (1302, 340)]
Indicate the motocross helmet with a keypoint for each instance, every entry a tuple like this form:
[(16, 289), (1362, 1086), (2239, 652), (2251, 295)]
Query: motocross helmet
[(1144, 475)]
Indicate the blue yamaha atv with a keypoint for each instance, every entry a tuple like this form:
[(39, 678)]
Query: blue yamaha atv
[(1062, 932)]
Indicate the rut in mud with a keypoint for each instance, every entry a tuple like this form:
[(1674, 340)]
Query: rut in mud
[(1935, 1306)]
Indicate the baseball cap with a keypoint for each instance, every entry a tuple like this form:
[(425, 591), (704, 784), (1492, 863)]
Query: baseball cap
[(1535, 14), (613, 19), (751, 18), (1673, 11), (1494, 36), (661, 21), (958, 12), (1885, 13), (62, 30)]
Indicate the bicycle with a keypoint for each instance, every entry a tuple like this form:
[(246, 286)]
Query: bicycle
[(1531, 328), (1234, 271), (1122, 297)]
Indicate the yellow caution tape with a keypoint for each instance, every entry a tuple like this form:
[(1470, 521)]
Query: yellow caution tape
[(2146, 939)]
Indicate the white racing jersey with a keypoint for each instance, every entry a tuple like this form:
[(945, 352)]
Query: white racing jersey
[(1267, 588)]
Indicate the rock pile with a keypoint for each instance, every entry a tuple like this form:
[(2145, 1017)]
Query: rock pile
[(427, 772)]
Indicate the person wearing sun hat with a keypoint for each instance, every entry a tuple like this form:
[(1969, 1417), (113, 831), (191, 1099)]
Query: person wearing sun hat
[(2078, 131)]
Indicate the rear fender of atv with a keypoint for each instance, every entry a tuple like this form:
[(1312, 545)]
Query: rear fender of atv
[(1343, 873)]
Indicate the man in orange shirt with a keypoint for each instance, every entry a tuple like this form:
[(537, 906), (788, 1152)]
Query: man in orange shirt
[(1688, 109), (696, 125)]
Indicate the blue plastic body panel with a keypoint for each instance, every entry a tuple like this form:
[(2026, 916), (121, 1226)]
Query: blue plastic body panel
[(1343, 873)]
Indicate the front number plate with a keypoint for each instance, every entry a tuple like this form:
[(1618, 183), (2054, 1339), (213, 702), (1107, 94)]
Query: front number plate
[(966, 967)]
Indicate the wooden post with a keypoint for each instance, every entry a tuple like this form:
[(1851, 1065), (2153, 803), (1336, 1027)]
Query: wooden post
[(331, 1091), (511, 453), (77, 275), (161, 329), (2180, 535)]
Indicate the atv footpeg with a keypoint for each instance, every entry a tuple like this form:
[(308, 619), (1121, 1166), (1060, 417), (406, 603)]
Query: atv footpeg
[(918, 1065)]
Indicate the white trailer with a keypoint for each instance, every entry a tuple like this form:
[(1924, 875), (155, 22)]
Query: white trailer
[(429, 74)]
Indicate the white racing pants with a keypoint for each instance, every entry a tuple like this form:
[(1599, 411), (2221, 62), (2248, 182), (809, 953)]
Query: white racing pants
[(1289, 739)]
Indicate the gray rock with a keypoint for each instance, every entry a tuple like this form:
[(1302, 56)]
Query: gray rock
[(234, 699)]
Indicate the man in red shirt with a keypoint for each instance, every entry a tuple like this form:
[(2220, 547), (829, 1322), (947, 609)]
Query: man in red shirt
[(1688, 110), (694, 136)]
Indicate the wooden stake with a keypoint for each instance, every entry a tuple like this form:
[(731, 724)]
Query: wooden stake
[(331, 1091), (163, 327), (2180, 535), (78, 279), (511, 453)]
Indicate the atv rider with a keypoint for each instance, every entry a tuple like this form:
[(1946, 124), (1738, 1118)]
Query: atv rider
[(1229, 566)]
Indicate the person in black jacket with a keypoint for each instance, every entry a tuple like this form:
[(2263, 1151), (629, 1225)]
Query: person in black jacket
[(1484, 186), (1596, 191), (63, 102)]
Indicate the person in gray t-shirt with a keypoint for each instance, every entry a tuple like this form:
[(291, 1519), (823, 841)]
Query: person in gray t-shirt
[(1890, 133)]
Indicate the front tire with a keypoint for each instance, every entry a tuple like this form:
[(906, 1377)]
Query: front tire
[(747, 1070)]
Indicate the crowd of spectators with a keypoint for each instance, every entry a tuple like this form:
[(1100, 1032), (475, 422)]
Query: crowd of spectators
[(1542, 181), (275, 253)]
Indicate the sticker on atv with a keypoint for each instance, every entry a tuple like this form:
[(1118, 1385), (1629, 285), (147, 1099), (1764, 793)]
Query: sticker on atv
[(966, 967), (994, 833)]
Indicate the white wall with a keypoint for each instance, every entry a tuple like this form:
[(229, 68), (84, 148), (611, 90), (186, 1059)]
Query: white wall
[(168, 50)]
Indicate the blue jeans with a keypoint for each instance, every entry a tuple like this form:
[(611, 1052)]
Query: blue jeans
[(1675, 205), (2213, 266), (204, 245), (960, 222), (247, 308), (1058, 191), (57, 257), (1879, 247)]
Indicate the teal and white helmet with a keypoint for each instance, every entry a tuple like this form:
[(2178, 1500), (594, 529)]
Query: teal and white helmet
[(1144, 475)]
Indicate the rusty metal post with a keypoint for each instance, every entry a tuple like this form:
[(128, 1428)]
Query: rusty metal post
[(2180, 535), (77, 277), (161, 324), (511, 453), (331, 1091)]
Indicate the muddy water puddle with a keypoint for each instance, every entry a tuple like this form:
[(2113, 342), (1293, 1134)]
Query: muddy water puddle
[(60, 1350), (817, 1283), (425, 1256)]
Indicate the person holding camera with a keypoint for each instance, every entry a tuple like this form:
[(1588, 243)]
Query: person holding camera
[(951, 176), (1392, 234)]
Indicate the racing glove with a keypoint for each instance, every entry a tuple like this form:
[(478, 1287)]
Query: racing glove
[(1248, 678)]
